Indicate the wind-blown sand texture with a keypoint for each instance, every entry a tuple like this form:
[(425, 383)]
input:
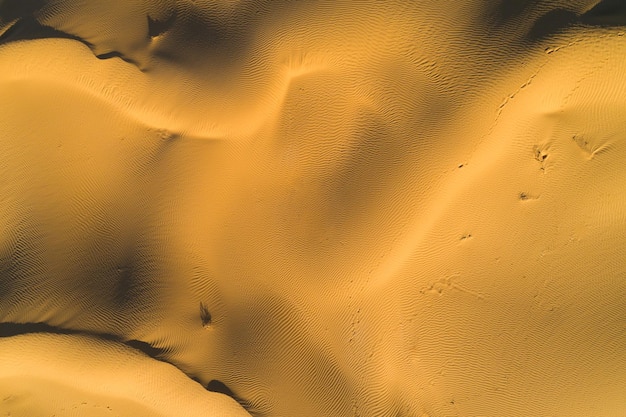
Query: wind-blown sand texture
[(312, 208)]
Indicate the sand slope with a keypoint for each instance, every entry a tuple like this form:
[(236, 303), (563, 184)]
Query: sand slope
[(43, 375), (315, 208)]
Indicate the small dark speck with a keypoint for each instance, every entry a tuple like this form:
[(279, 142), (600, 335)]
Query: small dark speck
[(205, 315), (523, 196)]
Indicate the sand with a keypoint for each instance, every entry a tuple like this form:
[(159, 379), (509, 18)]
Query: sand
[(312, 208)]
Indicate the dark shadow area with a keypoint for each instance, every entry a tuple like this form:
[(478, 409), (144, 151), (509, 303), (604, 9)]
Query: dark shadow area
[(157, 27), (28, 28), (115, 54), (514, 15), (128, 284), (552, 23), (14, 329), (14, 9), (507, 10), (218, 386), (606, 13), (147, 348)]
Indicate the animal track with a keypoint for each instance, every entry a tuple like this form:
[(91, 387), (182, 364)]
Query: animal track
[(524, 196), (589, 149), (540, 156)]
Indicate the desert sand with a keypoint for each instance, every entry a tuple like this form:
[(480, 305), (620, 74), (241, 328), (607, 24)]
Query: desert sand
[(312, 208)]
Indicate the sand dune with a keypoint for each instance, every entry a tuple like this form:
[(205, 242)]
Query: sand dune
[(312, 208), (42, 374)]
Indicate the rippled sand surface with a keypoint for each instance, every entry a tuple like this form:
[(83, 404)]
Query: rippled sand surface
[(312, 208)]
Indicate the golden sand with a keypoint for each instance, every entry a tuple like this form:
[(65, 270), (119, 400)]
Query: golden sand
[(312, 208)]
